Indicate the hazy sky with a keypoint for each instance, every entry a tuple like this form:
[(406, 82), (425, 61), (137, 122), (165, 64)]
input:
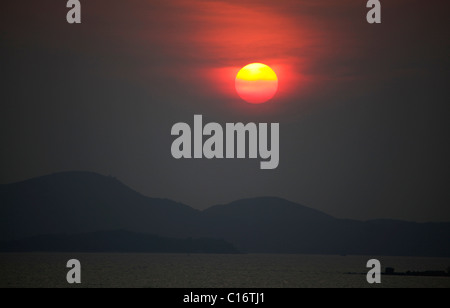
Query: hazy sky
[(362, 108)]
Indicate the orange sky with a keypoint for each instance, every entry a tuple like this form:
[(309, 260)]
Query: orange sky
[(312, 45), (314, 48), (203, 44)]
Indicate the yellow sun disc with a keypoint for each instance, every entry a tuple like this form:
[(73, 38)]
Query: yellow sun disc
[(256, 83)]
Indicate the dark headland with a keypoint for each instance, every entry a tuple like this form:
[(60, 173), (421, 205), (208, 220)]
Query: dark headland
[(116, 241)]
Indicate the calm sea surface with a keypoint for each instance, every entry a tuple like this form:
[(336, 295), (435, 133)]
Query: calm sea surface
[(211, 271)]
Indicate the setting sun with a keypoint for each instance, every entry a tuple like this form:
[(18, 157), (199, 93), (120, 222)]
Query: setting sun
[(256, 83)]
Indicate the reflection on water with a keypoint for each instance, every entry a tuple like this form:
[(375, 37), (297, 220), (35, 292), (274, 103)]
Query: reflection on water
[(212, 271)]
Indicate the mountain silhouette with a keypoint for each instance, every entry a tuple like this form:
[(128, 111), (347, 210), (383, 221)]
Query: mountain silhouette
[(82, 202), (266, 224), (76, 202)]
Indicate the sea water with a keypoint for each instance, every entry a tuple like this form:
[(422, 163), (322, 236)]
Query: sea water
[(212, 270)]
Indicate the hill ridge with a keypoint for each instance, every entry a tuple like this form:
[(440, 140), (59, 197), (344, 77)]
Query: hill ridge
[(80, 202)]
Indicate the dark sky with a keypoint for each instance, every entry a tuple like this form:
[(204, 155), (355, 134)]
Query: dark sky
[(362, 108)]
